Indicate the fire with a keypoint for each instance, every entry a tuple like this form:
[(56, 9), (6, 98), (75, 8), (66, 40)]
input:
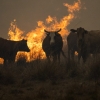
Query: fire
[(14, 32), (36, 36), (75, 7)]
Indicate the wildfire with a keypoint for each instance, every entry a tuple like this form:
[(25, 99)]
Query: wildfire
[(36, 36), (14, 32), (75, 7)]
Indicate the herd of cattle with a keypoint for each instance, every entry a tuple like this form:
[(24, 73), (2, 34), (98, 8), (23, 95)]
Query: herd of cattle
[(84, 42), (80, 40)]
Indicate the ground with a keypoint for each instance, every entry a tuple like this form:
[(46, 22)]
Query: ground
[(39, 80)]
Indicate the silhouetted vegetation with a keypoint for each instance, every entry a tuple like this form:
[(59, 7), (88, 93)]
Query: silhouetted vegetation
[(39, 80)]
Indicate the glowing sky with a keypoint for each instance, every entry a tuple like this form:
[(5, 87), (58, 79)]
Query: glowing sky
[(28, 12)]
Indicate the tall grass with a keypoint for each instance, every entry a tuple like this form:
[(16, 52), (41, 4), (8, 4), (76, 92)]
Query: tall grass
[(39, 79)]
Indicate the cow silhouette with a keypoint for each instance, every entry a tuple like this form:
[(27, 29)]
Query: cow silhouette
[(72, 44), (9, 49), (52, 45), (88, 42)]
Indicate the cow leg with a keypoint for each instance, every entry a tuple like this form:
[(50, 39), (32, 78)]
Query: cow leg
[(11, 61), (79, 56), (72, 54), (59, 57), (48, 58), (5, 62), (84, 57), (68, 55), (54, 58)]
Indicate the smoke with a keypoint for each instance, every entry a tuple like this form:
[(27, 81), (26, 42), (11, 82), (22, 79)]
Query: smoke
[(35, 36)]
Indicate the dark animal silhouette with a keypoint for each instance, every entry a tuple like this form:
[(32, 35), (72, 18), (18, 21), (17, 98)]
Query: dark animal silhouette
[(88, 42), (52, 45), (9, 49), (72, 44)]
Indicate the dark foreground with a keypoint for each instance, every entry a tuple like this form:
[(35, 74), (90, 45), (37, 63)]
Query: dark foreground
[(39, 80)]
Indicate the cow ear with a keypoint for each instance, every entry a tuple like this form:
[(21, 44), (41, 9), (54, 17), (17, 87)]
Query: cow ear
[(24, 40), (73, 30)]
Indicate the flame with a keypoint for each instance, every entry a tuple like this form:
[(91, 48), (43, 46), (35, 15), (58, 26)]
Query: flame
[(14, 32), (36, 36), (75, 7)]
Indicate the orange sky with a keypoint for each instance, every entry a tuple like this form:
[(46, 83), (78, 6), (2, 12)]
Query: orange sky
[(28, 12)]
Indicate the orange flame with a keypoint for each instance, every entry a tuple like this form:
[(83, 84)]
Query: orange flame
[(14, 32), (75, 7), (36, 36)]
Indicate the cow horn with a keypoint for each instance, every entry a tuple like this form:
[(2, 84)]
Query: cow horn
[(58, 30), (46, 31)]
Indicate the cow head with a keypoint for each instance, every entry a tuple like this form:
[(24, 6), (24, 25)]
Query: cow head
[(81, 32), (52, 35), (22, 46)]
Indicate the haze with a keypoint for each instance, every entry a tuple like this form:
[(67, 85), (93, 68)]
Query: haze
[(28, 12)]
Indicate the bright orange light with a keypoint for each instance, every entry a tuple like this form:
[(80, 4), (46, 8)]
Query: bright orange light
[(36, 36), (14, 32), (75, 7)]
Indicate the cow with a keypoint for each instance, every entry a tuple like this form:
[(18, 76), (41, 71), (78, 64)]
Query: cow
[(72, 44), (52, 45), (88, 42), (9, 49)]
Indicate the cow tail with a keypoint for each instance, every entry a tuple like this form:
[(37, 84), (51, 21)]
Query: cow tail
[(63, 54)]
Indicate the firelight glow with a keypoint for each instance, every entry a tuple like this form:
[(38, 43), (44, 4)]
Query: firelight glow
[(36, 36)]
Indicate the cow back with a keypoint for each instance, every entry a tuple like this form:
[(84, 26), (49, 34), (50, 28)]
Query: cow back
[(93, 40), (6, 47), (9, 48)]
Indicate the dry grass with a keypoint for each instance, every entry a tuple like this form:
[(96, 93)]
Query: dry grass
[(39, 80)]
